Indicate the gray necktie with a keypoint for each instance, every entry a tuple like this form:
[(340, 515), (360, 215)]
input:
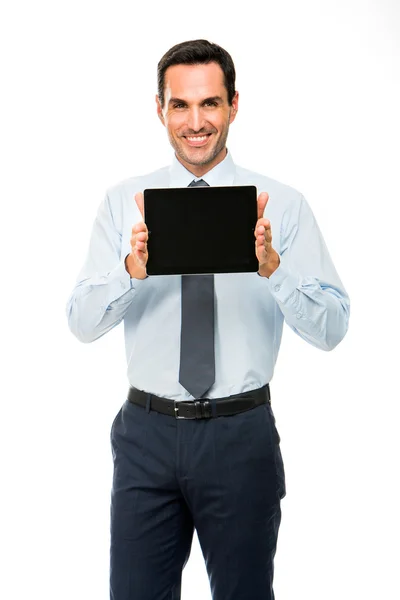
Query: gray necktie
[(197, 366)]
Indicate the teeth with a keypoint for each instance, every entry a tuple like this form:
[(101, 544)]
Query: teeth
[(197, 138)]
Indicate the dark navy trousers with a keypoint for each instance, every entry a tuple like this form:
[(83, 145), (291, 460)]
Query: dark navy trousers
[(223, 476)]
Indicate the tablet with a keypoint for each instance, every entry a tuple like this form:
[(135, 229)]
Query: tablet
[(201, 230)]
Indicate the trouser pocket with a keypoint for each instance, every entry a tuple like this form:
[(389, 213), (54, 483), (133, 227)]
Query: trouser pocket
[(114, 422), (279, 466)]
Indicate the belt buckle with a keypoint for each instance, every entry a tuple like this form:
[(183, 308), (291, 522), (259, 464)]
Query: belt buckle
[(176, 407), (202, 408)]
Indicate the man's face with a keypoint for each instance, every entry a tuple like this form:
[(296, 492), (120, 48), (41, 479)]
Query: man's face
[(197, 115)]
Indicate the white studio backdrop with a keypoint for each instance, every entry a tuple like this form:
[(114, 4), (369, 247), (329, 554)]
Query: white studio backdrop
[(319, 91)]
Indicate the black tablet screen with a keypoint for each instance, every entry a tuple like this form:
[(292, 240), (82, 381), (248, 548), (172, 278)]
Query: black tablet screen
[(201, 230)]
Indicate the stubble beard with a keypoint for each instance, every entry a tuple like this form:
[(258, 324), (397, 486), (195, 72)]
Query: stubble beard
[(205, 159)]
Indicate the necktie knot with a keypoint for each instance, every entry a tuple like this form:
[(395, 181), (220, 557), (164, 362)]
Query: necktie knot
[(199, 183)]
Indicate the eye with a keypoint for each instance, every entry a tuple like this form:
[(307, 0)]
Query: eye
[(179, 105), (210, 103)]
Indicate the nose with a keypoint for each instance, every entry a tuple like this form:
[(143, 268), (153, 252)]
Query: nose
[(195, 119)]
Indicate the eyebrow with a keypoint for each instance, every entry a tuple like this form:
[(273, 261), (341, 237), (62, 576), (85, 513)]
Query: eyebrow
[(211, 99)]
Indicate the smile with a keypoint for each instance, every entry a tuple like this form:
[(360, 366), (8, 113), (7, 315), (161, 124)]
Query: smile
[(197, 140)]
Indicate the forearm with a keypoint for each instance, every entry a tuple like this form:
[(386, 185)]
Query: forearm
[(317, 311), (99, 303)]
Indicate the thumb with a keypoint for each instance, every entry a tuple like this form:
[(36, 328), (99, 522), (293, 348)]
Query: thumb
[(262, 203), (140, 202)]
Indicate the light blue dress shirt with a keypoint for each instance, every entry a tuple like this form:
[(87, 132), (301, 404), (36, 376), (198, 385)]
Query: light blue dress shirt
[(305, 291)]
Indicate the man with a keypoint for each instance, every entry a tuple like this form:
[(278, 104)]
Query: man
[(218, 467)]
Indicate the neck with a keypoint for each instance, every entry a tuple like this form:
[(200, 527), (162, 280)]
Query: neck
[(200, 170)]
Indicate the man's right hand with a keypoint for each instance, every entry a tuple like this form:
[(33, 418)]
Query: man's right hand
[(135, 262)]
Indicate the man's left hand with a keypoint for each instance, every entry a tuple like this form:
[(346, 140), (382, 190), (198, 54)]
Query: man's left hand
[(268, 258)]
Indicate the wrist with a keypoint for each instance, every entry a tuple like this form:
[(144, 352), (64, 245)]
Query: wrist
[(266, 269), (132, 268)]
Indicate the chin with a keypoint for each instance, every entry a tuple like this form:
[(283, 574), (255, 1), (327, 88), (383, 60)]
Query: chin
[(197, 158)]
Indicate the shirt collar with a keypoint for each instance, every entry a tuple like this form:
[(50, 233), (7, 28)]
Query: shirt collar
[(222, 174)]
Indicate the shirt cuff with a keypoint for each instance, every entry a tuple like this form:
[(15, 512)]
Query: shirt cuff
[(122, 282)]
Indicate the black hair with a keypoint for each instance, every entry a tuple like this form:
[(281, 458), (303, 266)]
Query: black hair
[(197, 52)]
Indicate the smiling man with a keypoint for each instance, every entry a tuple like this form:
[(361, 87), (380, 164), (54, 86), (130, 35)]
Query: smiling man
[(195, 444)]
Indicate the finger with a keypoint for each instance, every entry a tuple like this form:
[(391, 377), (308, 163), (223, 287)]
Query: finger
[(261, 252), (262, 241), (140, 252), (139, 240), (263, 236), (139, 227), (140, 202), (261, 204), (140, 257), (262, 226), (142, 236)]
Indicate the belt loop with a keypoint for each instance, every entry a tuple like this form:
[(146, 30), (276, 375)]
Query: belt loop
[(213, 407), (148, 403)]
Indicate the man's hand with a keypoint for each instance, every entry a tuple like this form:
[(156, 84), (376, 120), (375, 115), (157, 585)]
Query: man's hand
[(135, 262), (268, 258)]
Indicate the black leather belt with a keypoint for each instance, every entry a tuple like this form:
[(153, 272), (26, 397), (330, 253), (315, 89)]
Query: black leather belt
[(201, 408)]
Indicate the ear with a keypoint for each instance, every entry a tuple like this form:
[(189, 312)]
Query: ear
[(234, 107), (159, 110)]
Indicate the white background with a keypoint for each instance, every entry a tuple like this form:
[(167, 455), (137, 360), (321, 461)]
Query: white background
[(319, 89)]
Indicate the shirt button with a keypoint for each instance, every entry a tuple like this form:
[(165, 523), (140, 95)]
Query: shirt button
[(299, 315), (277, 288)]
